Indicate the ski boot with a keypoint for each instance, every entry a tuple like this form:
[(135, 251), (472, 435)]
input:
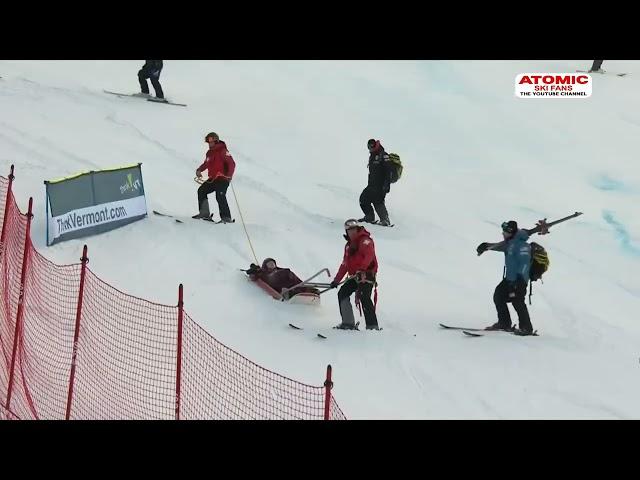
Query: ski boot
[(523, 333), (373, 327), (385, 222), (346, 326), (204, 213), (367, 219), (498, 326)]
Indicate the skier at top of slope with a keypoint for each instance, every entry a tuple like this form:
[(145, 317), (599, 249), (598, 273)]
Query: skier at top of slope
[(151, 69)]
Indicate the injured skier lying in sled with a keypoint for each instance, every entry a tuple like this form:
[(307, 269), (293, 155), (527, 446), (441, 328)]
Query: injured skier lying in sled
[(280, 282)]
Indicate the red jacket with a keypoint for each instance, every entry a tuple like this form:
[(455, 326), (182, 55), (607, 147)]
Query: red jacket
[(359, 256), (218, 162)]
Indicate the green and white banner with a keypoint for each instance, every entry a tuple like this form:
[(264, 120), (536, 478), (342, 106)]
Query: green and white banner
[(94, 202)]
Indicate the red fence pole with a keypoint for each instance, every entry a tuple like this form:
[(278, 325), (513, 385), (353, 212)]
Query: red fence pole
[(328, 385), (76, 334), (6, 211), (25, 257), (179, 353)]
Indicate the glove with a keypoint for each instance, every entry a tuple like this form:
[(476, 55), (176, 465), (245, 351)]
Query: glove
[(482, 248), (512, 288), (198, 174), (333, 284), (544, 229), (253, 269), (386, 188)]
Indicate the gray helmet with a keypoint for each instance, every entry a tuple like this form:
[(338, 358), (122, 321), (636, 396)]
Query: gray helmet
[(213, 135), (351, 223)]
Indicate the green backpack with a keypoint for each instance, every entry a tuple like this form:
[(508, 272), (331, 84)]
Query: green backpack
[(539, 265), (539, 261), (396, 167)]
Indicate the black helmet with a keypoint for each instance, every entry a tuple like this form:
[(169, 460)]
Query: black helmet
[(510, 227), (267, 261), (213, 135), (371, 143)]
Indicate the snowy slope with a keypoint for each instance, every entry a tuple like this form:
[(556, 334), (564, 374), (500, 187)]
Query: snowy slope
[(474, 156)]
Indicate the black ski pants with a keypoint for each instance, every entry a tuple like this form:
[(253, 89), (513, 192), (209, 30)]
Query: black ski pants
[(514, 294), (219, 185), (371, 195), (364, 290), (145, 73)]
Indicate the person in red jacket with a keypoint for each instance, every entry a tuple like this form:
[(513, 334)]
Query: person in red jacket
[(220, 167), (360, 262)]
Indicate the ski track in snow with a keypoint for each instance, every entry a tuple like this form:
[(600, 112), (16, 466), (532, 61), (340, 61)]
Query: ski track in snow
[(45, 147), (247, 182), (622, 234), (171, 152)]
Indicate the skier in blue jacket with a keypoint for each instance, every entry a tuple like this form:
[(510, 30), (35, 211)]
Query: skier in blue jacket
[(513, 287)]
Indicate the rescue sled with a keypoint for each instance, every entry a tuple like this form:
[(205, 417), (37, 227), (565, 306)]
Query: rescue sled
[(288, 295)]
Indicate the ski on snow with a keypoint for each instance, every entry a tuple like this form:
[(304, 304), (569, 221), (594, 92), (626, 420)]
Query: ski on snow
[(167, 102), (605, 73), (165, 215), (295, 327), (471, 332), (377, 223), (210, 220), (462, 328), (320, 335), (150, 99)]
